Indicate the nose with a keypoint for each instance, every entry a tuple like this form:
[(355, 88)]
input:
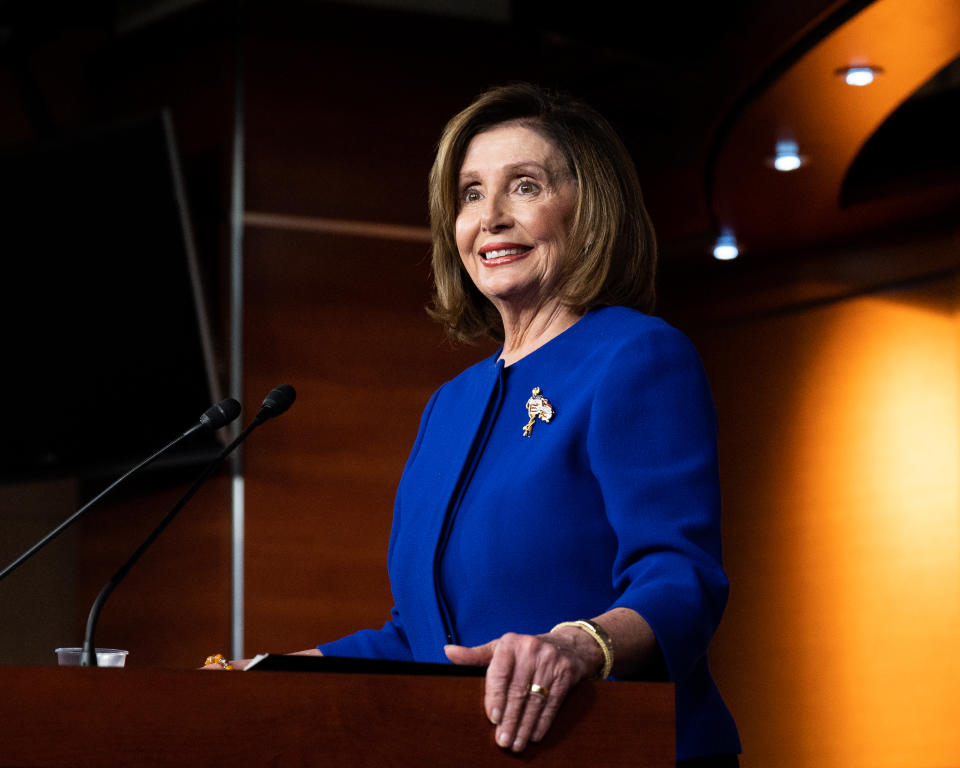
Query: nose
[(495, 215)]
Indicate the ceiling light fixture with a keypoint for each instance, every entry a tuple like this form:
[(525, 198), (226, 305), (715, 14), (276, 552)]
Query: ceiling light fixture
[(787, 156), (726, 248), (860, 75)]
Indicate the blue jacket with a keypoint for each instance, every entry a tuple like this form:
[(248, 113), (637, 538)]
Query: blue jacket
[(614, 502)]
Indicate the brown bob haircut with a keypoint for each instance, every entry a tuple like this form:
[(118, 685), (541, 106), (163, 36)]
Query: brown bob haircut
[(611, 251)]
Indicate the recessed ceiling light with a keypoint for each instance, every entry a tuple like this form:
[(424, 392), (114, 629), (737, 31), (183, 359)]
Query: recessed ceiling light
[(787, 156), (726, 248), (860, 75)]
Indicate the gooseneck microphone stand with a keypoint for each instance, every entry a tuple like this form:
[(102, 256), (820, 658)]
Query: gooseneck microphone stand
[(215, 417), (276, 402)]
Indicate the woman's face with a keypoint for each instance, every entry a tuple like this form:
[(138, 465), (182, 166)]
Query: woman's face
[(516, 202)]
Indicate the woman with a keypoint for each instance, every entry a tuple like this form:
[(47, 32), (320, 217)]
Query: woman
[(570, 480)]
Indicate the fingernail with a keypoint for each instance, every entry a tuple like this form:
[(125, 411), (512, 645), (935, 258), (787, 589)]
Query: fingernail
[(517, 745), (504, 739), (495, 716)]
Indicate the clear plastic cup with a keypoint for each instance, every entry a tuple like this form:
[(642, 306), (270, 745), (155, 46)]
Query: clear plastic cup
[(106, 657)]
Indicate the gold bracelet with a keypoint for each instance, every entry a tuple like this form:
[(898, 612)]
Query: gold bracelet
[(602, 639), (219, 659)]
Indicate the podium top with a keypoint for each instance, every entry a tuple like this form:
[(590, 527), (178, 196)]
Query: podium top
[(55, 717)]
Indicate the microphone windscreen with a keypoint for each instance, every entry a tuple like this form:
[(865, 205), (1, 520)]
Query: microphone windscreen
[(278, 400), (221, 414)]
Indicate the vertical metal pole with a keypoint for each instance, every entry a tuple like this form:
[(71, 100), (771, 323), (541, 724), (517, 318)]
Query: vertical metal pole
[(193, 266), (236, 334)]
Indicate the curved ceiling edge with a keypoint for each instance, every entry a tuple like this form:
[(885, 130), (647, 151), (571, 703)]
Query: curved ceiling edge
[(807, 39), (807, 103), (914, 148)]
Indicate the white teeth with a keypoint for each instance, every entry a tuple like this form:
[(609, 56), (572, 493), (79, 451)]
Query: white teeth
[(503, 252)]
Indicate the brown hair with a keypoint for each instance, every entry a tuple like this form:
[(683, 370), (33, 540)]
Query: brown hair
[(611, 251)]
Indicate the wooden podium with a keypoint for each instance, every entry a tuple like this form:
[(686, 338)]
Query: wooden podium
[(69, 717)]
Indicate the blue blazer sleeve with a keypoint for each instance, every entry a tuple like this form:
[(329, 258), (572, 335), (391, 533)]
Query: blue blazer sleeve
[(390, 642), (652, 444)]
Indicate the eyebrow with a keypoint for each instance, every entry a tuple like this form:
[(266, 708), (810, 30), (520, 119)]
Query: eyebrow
[(513, 168)]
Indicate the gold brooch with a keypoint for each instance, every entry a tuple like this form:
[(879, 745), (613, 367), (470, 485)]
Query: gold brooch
[(538, 407)]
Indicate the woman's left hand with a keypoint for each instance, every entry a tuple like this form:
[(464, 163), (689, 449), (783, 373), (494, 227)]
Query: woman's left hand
[(528, 678)]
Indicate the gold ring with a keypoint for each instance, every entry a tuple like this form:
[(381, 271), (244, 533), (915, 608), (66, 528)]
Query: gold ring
[(218, 658), (540, 690)]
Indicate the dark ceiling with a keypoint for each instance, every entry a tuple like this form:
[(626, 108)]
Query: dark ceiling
[(673, 77)]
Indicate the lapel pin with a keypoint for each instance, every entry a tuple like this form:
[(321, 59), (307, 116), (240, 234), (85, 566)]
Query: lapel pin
[(538, 407)]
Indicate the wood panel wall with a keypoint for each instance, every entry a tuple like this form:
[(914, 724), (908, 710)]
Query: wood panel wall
[(840, 448)]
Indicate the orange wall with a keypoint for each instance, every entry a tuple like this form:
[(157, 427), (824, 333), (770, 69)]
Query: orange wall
[(840, 449)]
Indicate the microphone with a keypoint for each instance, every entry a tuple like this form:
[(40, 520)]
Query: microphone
[(277, 401), (213, 418), (218, 415)]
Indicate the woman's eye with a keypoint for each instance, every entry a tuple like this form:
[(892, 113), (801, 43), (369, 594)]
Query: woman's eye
[(470, 195), (527, 187)]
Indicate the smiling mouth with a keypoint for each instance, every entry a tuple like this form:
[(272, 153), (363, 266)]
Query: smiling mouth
[(504, 253)]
